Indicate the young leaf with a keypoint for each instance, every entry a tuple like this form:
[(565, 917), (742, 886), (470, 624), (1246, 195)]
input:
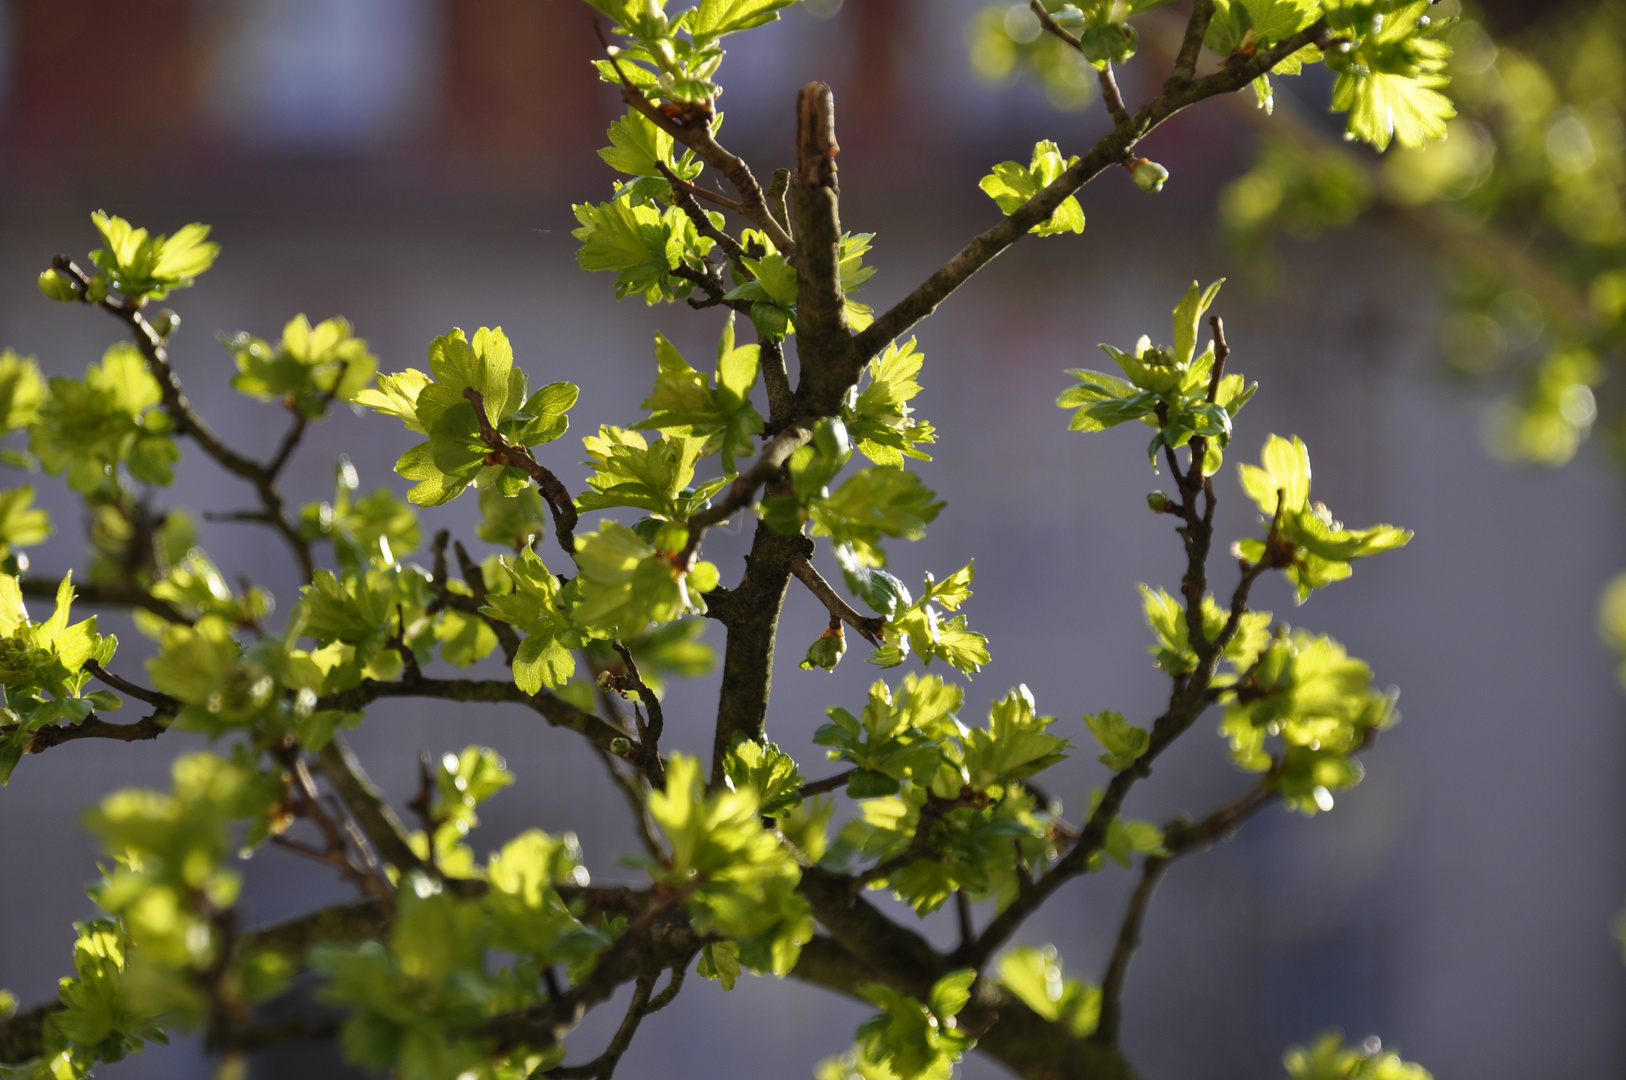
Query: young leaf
[(1011, 185)]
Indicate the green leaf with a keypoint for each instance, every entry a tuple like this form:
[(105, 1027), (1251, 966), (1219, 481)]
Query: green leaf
[(1035, 976), (875, 502), (637, 145), (766, 770), (22, 391), (309, 366), (714, 18), (641, 245), (143, 266), (1390, 82), (1188, 315), (87, 429), (1011, 185), (1318, 701), (397, 396), (21, 524), (1321, 548), (527, 915), (1123, 742), (720, 962), (1283, 473), (626, 583), (909, 1039), (485, 365), (739, 878), (1014, 746), (536, 607), (919, 628), (512, 522), (654, 478), (878, 416), (686, 403), (898, 738), (1328, 1059), (950, 993)]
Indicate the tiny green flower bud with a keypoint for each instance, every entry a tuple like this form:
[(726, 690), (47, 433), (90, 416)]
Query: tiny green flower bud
[(1149, 175), (58, 286), (827, 651), (1159, 502), (620, 747), (96, 291), (165, 322)]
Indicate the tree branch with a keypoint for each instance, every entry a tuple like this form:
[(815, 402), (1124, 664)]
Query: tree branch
[(94, 727), (369, 806), (555, 710), (829, 783), (560, 504), (1112, 983), (683, 196), (696, 135), (824, 344), (474, 578), (1113, 148), (603, 1066), (750, 612), (776, 381), (189, 423), (869, 627), (1109, 86), (649, 746), (107, 596)]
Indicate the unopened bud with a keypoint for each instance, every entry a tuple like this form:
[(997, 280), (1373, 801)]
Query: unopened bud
[(826, 652), (1149, 175), (58, 286), (1159, 502), (620, 747), (96, 290), (165, 322)]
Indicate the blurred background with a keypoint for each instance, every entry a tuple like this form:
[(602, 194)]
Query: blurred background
[(411, 164)]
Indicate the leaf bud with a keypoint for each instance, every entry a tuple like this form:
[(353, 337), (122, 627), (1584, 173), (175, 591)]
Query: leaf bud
[(58, 286), (1149, 175), (1159, 502), (165, 322), (620, 747), (96, 291)]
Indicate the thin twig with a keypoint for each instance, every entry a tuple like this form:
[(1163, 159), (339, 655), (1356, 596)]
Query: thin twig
[(649, 745), (696, 135), (475, 579), (776, 381), (603, 1066), (1112, 983), (683, 196), (1109, 86), (962, 914), (1176, 95), (94, 727), (519, 457), (868, 626), (829, 783), (742, 492), (107, 595), (368, 804), (1221, 351), (189, 423), (152, 697)]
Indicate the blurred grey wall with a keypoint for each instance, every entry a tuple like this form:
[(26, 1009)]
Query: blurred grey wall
[(1457, 903)]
